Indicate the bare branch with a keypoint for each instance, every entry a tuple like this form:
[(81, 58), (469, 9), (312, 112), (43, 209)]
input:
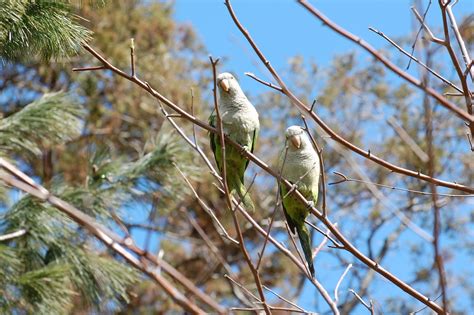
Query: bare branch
[(320, 246), (89, 69), (321, 161), (336, 289), (390, 65), (9, 236), (242, 287), (426, 28), (304, 109), (407, 139), (285, 300), (454, 59), (260, 256), (415, 59), (462, 45), (112, 241), (132, 56), (245, 253), (265, 167), (345, 178), (269, 84), (369, 307), (222, 231)]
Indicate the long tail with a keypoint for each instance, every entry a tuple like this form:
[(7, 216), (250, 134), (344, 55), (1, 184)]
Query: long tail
[(237, 187), (305, 241)]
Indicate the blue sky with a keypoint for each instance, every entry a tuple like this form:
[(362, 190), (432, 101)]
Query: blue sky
[(283, 29)]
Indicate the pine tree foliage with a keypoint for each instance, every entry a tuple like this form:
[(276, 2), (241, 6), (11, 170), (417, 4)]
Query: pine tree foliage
[(55, 262), (55, 256), (39, 28), (52, 119)]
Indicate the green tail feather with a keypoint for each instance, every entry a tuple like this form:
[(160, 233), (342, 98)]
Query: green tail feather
[(237, 187), (305, 241)]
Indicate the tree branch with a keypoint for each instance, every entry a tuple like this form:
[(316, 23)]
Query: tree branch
[(441, 100), (25, 183)]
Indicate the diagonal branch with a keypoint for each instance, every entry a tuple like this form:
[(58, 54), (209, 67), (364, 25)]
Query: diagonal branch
[(306, 110), (220, 129), (436, 74), (9, 236), (390, 65), (18, 179), (347, 245), (144, 85)]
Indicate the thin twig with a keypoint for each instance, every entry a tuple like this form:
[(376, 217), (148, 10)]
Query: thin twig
[(89, 69), (265, 167), (285, 300), (132, 56), (302, 107), (336, 289), (260, 255), (428, 31), (326, 234), (345, 178), (451, 84), (193, 144), (367, 306), (245, 253), (430, 164), (321, 162), (9, 236), (321, 245), (408, 139), (462, 45), (387, 63), (269, 84), (113, 242), (418, 33), (242, 287), (192, 113), (222, 231)]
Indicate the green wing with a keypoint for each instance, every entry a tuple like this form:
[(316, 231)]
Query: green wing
[(254, 141), (295, 213), (291, 223), (214, 142)]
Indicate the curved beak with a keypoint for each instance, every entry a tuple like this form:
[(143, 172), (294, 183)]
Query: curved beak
[(225, 85), (296, 141)]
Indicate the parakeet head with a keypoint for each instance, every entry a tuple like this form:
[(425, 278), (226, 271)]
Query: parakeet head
[(227, 84), (296, 137)]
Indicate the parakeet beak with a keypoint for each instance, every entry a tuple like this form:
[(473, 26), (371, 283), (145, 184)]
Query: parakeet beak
[(296, 141), (225, 85)]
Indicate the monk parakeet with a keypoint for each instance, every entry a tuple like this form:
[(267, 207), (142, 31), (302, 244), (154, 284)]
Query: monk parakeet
[(240, 123), (301, 167)]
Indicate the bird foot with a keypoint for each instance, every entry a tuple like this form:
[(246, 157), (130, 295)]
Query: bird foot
[(245, 149), (311, 204)]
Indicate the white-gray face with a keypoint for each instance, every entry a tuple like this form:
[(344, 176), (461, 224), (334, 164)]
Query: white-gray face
[(227, 83), (295, 137)]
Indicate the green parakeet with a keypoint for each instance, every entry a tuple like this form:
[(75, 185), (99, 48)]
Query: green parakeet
[(301, 167), (240, 123)]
